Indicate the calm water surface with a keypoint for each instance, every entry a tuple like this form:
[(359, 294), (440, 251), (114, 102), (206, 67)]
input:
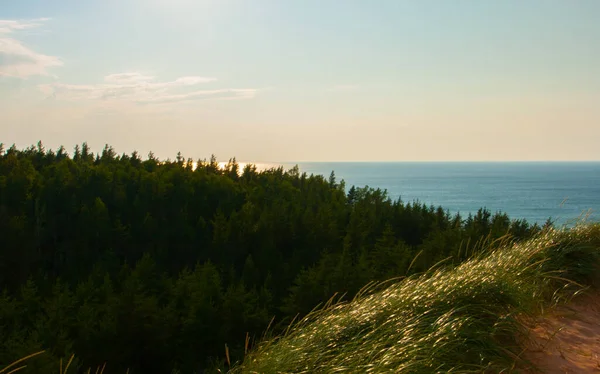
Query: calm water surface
[(535, 191)]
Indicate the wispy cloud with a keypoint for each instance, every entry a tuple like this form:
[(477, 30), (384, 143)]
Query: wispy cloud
[(128, 78), (224, 94), (143, 89), (18, 60), (8, 26)]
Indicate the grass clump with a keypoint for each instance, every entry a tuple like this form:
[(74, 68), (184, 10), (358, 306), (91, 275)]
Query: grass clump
[(461, 319)]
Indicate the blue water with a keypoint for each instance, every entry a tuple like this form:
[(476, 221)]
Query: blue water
[(535, 191)]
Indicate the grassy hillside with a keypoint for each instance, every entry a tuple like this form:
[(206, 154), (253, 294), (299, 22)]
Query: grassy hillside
[(462, 319)]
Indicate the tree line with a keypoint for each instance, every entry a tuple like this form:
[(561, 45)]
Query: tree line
[(157, 265)]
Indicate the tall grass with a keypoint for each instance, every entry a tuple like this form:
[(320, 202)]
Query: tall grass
[(462, 319)]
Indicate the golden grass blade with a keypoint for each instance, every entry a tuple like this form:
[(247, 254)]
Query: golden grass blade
[(20, 360), (290, 325), (268, 327), (69, 363), (227, 355), (413, 261), (17, 369), (439, 263), (330, 301)]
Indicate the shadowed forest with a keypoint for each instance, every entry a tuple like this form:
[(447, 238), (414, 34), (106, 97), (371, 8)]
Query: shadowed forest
[(159, 265)]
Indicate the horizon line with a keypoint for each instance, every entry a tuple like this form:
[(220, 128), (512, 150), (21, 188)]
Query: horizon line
[(417, 161)]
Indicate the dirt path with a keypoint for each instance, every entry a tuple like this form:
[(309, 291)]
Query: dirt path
[(567, 340)]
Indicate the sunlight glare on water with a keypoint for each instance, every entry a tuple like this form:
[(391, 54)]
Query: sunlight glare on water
[(260, 166)]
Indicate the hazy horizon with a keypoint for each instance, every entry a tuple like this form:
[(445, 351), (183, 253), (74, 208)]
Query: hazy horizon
[(317, 81)]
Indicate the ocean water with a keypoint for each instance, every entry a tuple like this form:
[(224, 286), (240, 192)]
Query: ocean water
[(536, 191)]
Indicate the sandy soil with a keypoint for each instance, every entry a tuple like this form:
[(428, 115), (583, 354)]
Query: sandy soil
[(567, 339)]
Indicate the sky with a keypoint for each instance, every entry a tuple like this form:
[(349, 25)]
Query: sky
[(305, 80)]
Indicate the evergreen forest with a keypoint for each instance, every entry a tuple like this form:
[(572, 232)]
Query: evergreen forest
[(181, 266)]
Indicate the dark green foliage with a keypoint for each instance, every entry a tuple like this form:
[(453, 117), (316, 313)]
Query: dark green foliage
[(118, 259)]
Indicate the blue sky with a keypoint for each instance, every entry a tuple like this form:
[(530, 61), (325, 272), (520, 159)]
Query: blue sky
[(305, 80)]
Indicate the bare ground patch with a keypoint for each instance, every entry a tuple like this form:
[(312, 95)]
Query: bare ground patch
[(567, 338)]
